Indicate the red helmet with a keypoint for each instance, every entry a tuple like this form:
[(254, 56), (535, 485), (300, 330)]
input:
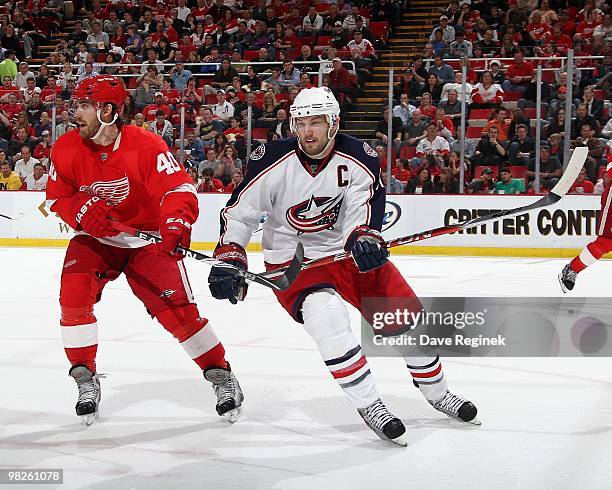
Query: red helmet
[(101, 89)]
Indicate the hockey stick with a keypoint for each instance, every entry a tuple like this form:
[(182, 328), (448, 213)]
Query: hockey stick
[(278, 283), (17, 217), (558, 191)]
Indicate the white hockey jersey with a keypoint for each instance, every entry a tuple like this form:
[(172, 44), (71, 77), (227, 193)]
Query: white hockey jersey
[(318, 202)]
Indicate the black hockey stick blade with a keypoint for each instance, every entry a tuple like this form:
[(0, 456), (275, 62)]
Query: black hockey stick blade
[(15, 217)]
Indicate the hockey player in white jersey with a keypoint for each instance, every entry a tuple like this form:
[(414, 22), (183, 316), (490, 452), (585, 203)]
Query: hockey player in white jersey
[(324, 189)]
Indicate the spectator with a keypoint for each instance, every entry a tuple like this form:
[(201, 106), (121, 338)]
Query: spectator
[(195, 147), (452, 107), (457, 85), (362, 53), (150, 111), (490, 151), (439, 45), (596, 149), (25, 165), (444, 124), (140, 122), (395, 186), (506, 184), (433, 87), (489, 44), (487, 94), (269, 109), (163, 127), (64, 125), (496, 73), (223, 111), (44, 124), (208, 128), (250, 101), (409, 86), (404, 109), (460, 47), (210, 162), (443, 71), (427, 108), (582, 185), (289, 76), (222, 78), (9, 180), (42, 152), (582, 118), (522, 147), (341, 82), (37, 180), (273, 81), (20, 140), (415, 129), (448, 31), (446, 182), (469, 145), (236, 180), (313, 22), (432, 144), (383, 10), (209, 183), (484, 184), (23, 75), (77, 36), (501, 123), (281, 126), (421, 183), (594, 106), (519, 74), (396, 130), (550, 168), (235, 130), (306, 55), (98, 39), (88, 71)]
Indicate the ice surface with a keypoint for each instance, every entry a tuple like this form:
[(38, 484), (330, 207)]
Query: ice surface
[(547, 423)]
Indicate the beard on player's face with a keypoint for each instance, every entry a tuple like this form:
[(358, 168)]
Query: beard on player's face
[(87, 120), (313, 133)]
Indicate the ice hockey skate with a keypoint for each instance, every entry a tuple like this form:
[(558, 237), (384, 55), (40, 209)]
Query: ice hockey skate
[(457, 408), (88, 403), (228, 392), (567, 278), (384, 423)]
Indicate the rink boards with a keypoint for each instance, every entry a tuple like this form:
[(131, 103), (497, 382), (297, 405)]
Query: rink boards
[(555, 231)]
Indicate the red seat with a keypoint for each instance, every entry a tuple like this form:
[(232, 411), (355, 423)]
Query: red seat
[(530, 112), (518, 171), (512, 96), (407, 152), (473, 132), (282, 97), (601, 171), (211, 99), (478, 170), (307, 41), (454, 64), (599, 94), (380, 30), (322, 7), (132, 83), (480, 114), (260, 134), (250, 55), (323, 40), (365, 13)]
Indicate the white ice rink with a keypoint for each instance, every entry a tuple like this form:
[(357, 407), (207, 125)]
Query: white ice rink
[(547, 423)]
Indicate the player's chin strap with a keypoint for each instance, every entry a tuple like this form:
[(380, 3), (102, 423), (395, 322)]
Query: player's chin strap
[(102, 123), (331, 134)]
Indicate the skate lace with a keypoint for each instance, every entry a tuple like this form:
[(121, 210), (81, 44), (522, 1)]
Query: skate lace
[(225, 391), (377, 415), (450, 404), (89, 391)]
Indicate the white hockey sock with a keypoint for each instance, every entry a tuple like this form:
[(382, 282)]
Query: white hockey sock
[(326, 320), (428, 375)]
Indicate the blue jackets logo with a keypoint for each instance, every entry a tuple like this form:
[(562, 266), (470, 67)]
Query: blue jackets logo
[(315, 214), (392, 215)]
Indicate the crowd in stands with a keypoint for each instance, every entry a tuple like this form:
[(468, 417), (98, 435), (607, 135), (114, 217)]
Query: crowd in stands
[(215, 59), (218, 60), (497, 43)]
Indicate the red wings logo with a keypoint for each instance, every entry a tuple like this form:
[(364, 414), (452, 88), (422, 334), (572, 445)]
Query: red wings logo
[(315, 214), (114, 191)]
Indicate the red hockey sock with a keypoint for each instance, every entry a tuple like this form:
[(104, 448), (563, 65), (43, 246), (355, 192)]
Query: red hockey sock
[(591, 253), (79, 330), (196, 336)]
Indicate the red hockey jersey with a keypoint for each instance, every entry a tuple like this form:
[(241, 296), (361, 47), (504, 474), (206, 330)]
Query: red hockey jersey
[(134, 174)]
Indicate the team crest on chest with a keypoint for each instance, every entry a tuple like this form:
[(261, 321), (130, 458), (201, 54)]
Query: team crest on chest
[(104, 156), (114, 191), (315, 214)]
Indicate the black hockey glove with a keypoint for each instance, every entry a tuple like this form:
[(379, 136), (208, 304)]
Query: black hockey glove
[(222, 282), (366, 247)]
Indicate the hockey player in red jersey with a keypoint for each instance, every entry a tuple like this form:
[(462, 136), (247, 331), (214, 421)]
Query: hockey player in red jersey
[(598, 247), (324, 189), (105, 171)]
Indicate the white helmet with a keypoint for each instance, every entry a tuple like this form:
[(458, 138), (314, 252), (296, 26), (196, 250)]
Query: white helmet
[(316, 101)]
